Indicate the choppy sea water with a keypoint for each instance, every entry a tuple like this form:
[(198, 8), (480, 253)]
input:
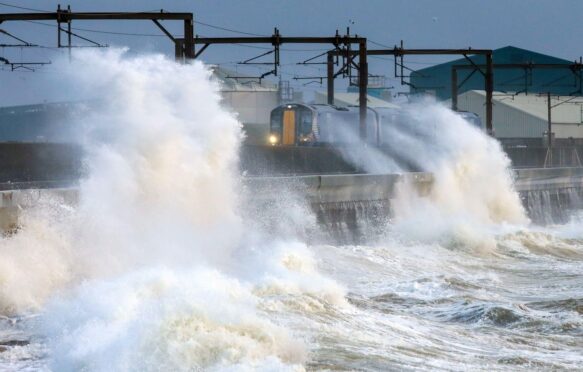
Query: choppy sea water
[(165, 262), (407, 306), (440, 307)]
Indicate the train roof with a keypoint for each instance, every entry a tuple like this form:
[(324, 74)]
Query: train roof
[(317, 107), (321, 107)]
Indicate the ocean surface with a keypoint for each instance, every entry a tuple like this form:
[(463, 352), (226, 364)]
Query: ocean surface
[(166, 262), (394, 305)]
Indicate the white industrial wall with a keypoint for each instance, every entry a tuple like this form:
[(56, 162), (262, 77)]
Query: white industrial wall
[(563, 130), (508, 122), (252, 107), (253, 110)]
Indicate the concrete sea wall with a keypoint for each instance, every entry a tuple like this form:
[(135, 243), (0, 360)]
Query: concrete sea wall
[(549, 194)]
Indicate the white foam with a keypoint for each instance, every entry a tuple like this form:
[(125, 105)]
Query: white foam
[(473, 186), (154, 269)]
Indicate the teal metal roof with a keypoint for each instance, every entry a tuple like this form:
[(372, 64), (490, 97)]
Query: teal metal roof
[(437, 79)]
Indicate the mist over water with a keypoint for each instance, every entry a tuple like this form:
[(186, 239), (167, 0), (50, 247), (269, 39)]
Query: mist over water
[(166, 263)]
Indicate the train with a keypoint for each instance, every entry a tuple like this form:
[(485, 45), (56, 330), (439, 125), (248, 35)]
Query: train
[(297, 124)]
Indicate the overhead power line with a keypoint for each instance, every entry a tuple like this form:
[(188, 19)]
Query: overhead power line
[(128, 33), (379, 44), (24, 8), (198, 22), (98, 31), (159, 35), (228, 29), (52, 11)]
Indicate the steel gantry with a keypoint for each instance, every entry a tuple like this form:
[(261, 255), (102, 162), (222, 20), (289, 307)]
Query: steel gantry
[(575, 68), (400, 52), (183, 50), (338, 42)]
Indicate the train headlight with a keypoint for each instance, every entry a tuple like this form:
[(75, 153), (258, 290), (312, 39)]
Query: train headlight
[(273, 139)]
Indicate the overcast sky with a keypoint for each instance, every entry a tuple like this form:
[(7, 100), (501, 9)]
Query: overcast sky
[(551, 27)]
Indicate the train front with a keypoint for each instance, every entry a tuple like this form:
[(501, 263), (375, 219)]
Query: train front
[(292, 124)]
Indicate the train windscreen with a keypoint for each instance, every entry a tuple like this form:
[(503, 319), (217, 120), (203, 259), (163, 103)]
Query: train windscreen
[(276, 119), (305, 129)]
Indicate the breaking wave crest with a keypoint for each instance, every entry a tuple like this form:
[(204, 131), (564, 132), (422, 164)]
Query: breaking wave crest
[(162, 264), (153, 267), (472, 195)]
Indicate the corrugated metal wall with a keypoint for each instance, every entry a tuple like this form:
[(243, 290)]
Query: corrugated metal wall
[(436, 80), (510, 122)]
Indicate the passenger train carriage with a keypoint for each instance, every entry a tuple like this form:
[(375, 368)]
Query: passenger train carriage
[(318, 124)]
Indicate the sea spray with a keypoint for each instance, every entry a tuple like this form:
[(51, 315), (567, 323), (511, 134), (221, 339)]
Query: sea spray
[(161, 171), (258, 301), (472, 189), (37, 258), (155, 267)]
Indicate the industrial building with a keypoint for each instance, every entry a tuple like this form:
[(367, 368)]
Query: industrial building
[(522, 81), (526, 116), (252, 100), (437, 80)]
